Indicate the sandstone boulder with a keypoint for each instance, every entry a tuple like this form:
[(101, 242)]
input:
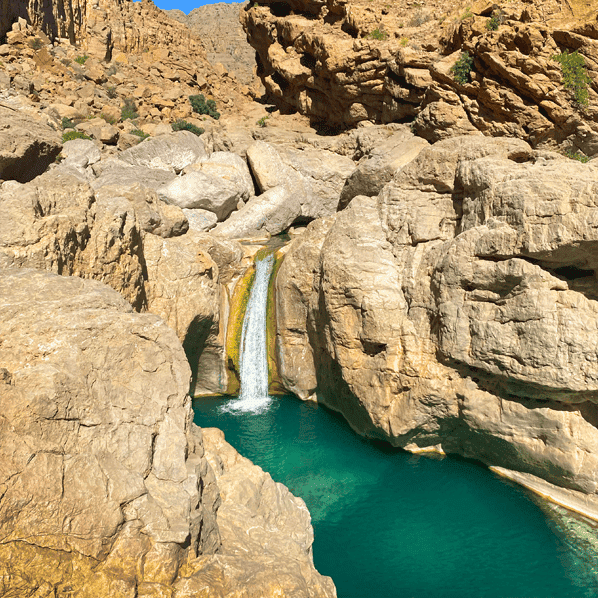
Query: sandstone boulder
[(122, 176), (125, 478), (27, 145), (200, 190), (272, 212), (80, 153), (380, 164), (200, 220), (227, 166), (168, 152)]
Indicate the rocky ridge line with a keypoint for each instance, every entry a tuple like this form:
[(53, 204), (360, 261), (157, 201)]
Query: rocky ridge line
[(343, 62)]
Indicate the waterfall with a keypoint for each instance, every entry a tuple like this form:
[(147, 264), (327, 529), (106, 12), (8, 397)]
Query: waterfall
[(253, 355)]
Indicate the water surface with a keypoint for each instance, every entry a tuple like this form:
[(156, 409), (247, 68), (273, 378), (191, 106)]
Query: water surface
[(389, 524)]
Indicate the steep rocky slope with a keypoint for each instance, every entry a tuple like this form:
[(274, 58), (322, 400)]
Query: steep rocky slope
[(342, 62), (219, 28)]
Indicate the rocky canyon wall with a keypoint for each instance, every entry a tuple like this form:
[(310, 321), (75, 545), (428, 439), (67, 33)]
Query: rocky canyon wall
[(343, 62), (456, 311)]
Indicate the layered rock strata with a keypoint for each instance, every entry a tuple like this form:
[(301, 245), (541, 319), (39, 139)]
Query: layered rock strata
[(457, 312), (94, 402), (345, 62), (223, 38)]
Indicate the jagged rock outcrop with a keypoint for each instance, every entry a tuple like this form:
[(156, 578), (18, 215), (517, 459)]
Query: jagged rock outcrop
[(457, 312), (344, 62), (223, 38), (28, 145), (94, 402)]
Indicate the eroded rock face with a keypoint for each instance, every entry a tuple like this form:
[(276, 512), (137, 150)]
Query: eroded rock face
[(343, 62), (457, 311), (105, 488), (28, 145), (94, 402)]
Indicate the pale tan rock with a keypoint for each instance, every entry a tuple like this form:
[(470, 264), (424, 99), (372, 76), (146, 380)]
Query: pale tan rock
[(169, 152), (78, 362), (28, 146), (257, 517), (271, 212)]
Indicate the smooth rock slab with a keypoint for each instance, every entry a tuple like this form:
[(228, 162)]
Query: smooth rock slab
[(168, 152), (273, 212), (198, 190)]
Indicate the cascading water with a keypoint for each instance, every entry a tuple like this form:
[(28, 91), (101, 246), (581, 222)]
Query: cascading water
[(253, 356)]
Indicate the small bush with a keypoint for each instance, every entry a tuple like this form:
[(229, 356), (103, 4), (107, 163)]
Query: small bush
[(36, 43), (467, 14), (575, 75), (263, 121), (183, 125), (70, 135), (462, 68), (67, 123), (111, 71), (419, 19), (378, 34), (576, 156), (140, 133), (495, 20), (128, 110), (404, 41), (81, 59), (201, 106), (108, 119)]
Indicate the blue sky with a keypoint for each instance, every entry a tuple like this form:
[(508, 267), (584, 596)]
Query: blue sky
[(185, 5)]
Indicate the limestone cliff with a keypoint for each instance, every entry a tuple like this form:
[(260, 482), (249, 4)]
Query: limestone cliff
[(223, 38), (456, 311), (342, 62)]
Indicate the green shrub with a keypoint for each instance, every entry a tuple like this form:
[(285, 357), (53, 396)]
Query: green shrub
[(128, 110), (183, 125), (462, 68), (140, 133), (81, 59), (576, 156), (575, 75), (201, 106), (36, 43), (378, 34), (263, 121), (70, 135), (467, 14), (108, 119), (493, 23), (67, 123)]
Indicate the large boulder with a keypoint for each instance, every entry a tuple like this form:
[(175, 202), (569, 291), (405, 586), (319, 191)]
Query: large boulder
[(201, 190), (168, 152), (315, 177), (379, 166), (94, 403), (27, 145), (271, 212), (106, 486), (227, 166), (121, 176)]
